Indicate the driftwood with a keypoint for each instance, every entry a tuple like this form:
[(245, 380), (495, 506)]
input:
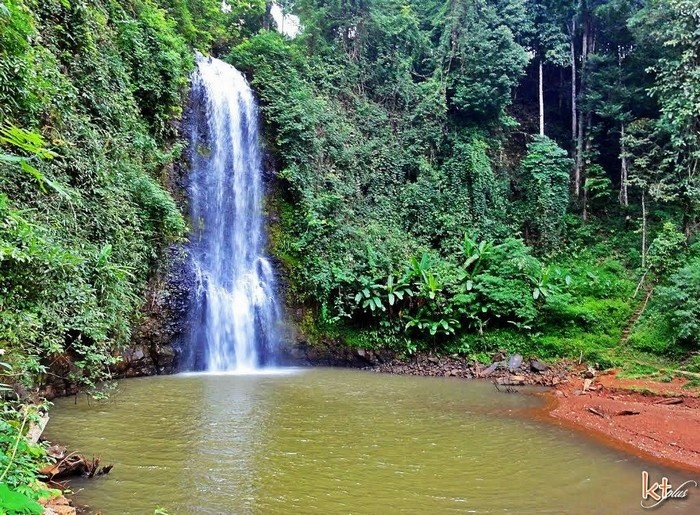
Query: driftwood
[(596, 412), (507, 388), (490, 370), (72, 465)]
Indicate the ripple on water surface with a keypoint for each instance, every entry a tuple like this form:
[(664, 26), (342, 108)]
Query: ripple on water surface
[(341, 441)]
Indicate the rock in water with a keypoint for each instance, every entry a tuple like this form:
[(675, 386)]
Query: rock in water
[(514, 362)]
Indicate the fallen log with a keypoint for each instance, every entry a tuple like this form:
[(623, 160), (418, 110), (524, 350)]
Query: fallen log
[(74, 465), (670, 400)]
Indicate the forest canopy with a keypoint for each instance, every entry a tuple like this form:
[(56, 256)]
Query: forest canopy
[(468, 176)]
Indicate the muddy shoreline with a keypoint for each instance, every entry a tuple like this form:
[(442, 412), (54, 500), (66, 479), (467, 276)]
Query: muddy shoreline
[(659, 422)]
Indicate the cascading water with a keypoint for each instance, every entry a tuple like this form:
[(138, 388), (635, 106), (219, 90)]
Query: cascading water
[(234, 315)]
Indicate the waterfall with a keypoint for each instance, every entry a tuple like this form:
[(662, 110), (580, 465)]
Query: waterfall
[(234, 315)]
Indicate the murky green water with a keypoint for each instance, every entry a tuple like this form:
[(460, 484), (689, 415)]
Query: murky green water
[(341, 441)]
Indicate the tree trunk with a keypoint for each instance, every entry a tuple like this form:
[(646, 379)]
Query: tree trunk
[(587, 45), (644, 230), (267, 20), (541, 97), (587, 152), (574, 107), (624, 200)]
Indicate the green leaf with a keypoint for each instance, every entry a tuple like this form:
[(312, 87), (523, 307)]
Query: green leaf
[(34, 173), (15, 502), (471, 260)]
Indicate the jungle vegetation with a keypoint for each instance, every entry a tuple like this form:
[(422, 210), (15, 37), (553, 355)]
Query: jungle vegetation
[(463, 177), (452, 176)]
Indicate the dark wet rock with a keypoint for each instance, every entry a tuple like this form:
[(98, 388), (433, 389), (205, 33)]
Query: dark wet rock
[(537, 366)]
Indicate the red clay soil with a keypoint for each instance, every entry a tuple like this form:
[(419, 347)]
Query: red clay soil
[(657, 421)]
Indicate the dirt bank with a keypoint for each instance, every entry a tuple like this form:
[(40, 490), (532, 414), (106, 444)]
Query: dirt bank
[(657, 421)]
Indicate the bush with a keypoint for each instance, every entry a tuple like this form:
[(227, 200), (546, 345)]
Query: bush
[(678, 303), (545, 184)]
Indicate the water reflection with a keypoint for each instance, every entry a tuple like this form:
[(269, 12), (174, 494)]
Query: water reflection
[(338, 441)]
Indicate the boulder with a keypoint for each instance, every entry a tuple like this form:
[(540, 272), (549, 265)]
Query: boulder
[(537, 366), (514, 363)]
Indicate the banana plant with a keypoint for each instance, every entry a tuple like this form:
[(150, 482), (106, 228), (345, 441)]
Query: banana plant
[(432, 285), (397, 289), (374, 293), (543, 284), (476, 254), (446, 326), (419, 269), (371, 297)]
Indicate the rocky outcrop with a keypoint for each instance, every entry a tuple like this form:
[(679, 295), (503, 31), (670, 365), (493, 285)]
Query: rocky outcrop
[(164, 321), (512, 370)]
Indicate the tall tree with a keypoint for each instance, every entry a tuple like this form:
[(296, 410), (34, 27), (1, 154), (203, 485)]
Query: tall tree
[(616, 78), (548, 43), (673, 25), (482, 61)]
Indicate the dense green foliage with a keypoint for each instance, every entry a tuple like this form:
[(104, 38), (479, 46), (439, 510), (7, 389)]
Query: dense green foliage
[(401, 127), (19, 459), (76, 256), (97, 85), (414, 207), (90, 93)]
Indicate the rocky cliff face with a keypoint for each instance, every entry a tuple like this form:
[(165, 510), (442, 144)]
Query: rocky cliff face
[(154, 349)]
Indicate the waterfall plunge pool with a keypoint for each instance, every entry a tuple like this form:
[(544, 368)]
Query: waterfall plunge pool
[(341, 441)]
